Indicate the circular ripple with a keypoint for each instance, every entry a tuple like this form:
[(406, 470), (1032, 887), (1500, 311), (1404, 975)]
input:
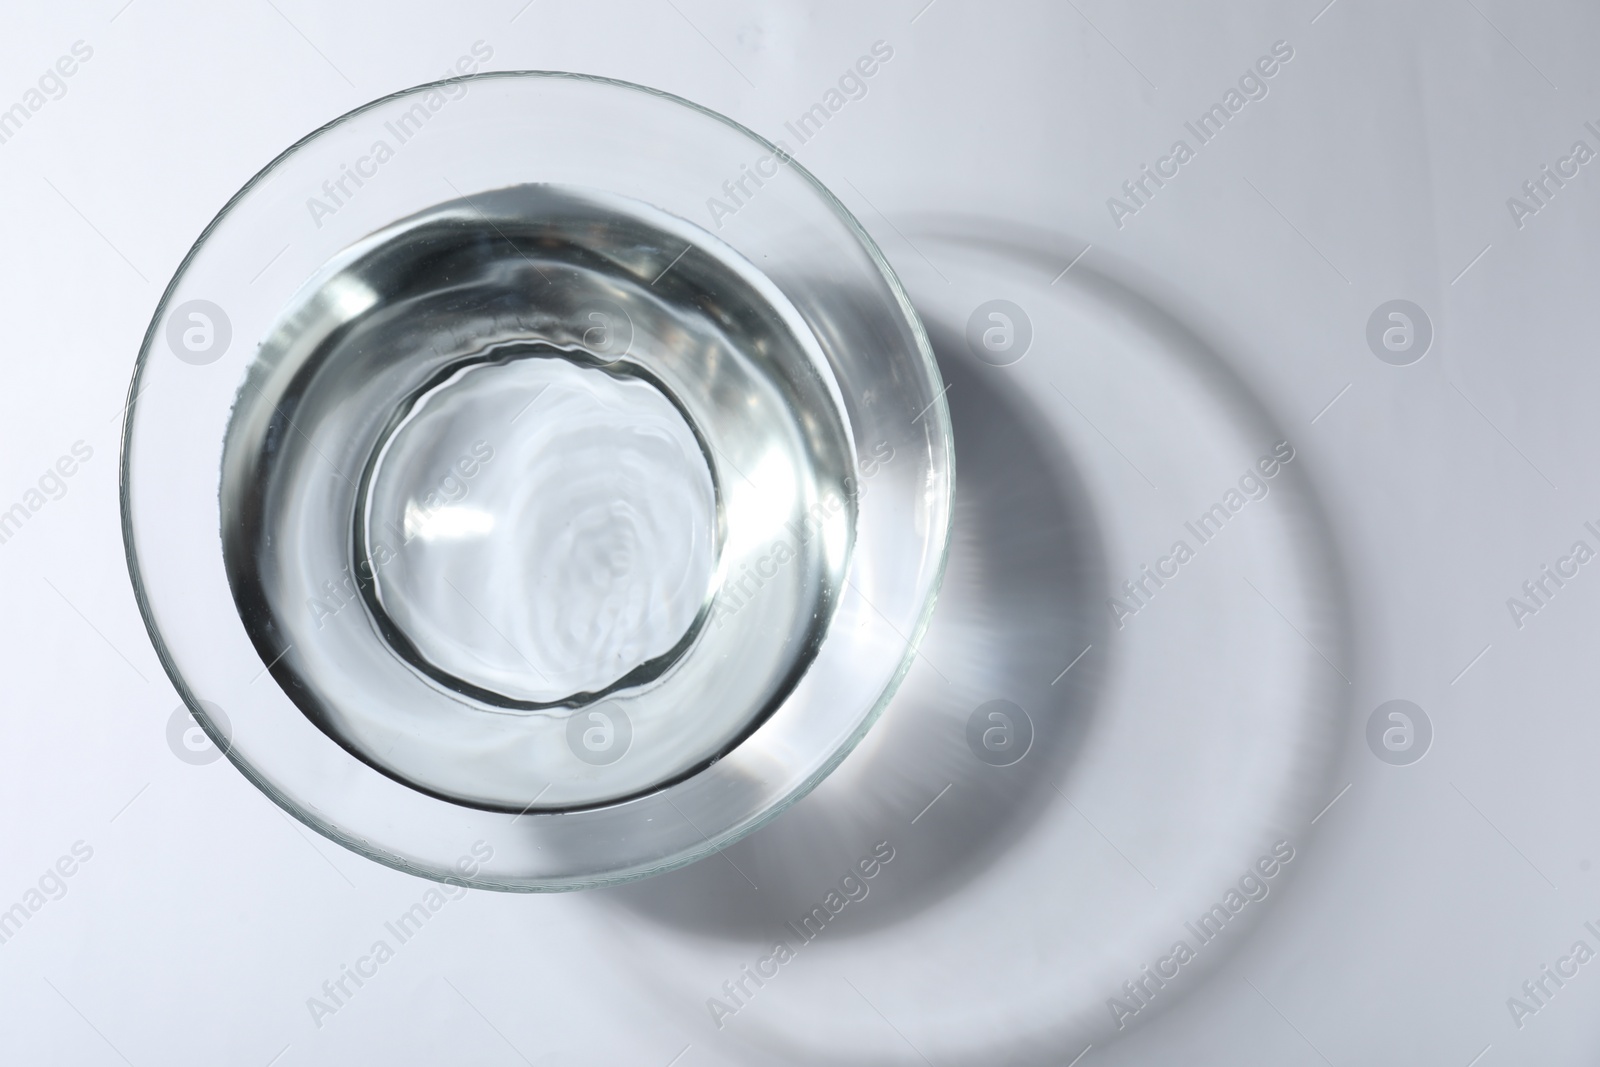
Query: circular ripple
[(538, 531)]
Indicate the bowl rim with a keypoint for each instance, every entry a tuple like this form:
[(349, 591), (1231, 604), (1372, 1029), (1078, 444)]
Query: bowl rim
[(940, 536)]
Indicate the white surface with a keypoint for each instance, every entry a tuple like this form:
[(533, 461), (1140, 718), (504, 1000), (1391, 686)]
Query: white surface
[(1378, 166)]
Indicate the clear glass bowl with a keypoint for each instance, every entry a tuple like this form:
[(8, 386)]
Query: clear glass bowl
[(547, 478)]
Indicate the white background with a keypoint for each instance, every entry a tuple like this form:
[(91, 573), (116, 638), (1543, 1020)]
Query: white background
[(1378, 167)]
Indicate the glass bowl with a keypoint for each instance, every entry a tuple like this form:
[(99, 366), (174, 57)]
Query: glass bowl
[(546, 477)]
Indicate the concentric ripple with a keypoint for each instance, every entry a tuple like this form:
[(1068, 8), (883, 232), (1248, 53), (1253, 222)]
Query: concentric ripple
[(539, 530)]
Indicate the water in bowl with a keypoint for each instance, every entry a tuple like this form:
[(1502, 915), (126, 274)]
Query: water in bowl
[(538, 499)]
